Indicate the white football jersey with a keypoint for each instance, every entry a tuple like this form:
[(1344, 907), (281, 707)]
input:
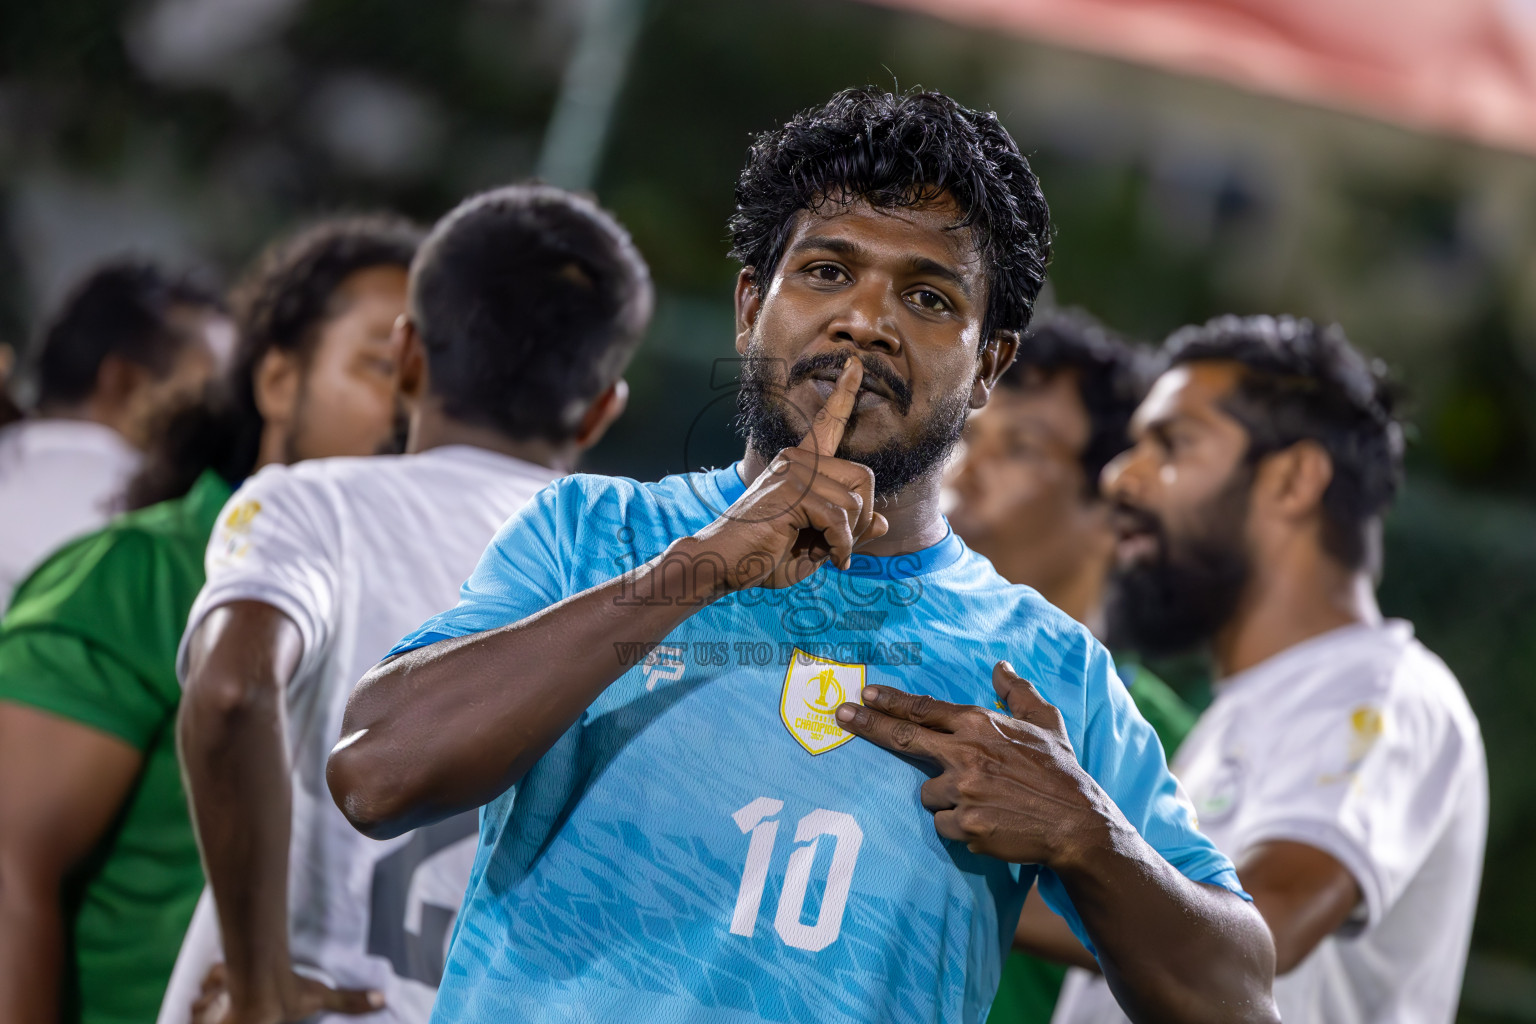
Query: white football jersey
[(1360, 743), (58, 480), (358, 552)]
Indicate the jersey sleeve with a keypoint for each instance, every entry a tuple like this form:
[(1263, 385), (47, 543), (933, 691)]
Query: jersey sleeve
[(79, 640), (521, 572), (276, 541), (69, 677), (1367, 776), (1122, 754)]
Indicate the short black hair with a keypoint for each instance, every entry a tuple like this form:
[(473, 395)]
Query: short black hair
[(1305, 382), (1112, 378), (529, 301), (280, 305), (899, 151), (121, 308)]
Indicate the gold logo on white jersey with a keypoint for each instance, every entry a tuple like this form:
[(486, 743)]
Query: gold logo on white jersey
[(241, 516), (813, 688), (232, 539)]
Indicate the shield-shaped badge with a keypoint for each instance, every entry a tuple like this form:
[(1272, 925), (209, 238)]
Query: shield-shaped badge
[(813, 688)]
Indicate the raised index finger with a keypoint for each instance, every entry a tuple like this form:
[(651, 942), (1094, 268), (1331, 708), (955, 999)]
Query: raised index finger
[(826, 431)]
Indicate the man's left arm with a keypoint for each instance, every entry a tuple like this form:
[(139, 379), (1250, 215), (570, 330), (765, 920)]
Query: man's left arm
[(1172, 949)]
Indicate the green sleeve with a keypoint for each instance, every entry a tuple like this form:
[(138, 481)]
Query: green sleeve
[(1164, 710), (92, 634), (63, 674)]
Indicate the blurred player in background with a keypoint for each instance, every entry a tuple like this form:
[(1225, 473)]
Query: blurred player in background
[(10, 412), (1339, 765), (100, 865), (1024, 492), (526, 304), (129, 343), (691, 835)]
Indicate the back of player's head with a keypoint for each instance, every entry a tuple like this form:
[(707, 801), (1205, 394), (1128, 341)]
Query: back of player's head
[(1111, 374), (281, 305), (122, 308), (1305, 382), (894, 151), (529, 301)]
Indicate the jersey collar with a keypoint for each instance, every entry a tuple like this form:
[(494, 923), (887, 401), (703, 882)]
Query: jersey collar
[(945, 553)]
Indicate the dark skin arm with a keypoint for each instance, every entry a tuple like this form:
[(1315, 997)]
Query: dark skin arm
[(1045, 934), (451, 726), (64, 785), (1171, 949), (234, 753), (1304, 894)]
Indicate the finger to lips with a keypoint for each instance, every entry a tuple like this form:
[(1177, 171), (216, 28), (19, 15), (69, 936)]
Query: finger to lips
[(817, 450), (826, 431)]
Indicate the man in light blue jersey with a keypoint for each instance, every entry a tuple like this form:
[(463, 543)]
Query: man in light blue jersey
[(642, 682)]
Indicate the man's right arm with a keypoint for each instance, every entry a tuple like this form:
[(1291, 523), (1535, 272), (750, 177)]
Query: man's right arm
[(449, 727)]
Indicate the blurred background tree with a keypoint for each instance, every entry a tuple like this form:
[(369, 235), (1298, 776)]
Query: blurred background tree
[(197, 129)]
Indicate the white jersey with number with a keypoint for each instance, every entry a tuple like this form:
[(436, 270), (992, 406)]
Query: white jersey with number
[(357, 552), (1361, 744)]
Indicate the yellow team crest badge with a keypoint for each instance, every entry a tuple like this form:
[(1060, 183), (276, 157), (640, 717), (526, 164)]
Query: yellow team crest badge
[(232, 540), (813, 688), (241, 516)]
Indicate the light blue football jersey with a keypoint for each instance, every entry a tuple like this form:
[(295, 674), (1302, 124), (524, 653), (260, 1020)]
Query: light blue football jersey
[(706, 845)]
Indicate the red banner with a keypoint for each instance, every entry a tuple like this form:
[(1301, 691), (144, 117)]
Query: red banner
[(1462, 67)]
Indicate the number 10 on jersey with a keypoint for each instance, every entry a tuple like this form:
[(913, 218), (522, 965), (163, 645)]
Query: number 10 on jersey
[(757, 820)]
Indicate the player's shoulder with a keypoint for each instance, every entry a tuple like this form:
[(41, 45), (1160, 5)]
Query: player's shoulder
[(108, 580), (1377, 666), (312, 483), (599, 505), (1372, 662), (1045, 644), (1422, 684), (1011, 610)]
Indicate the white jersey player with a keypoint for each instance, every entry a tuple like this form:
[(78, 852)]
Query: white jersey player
[(1379, 764), (355, 553), (1340, 766), (525, 305)]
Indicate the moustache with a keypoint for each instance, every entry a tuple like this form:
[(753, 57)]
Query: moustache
[(901, 393)]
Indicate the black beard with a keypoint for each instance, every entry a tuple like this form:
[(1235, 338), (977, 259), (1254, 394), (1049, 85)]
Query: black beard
[(764, 421), (1181, 599)]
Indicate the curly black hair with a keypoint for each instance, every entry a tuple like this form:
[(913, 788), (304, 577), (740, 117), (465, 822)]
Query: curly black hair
[(1113, 375), (1303, 381), (280, 305), (899, 151)]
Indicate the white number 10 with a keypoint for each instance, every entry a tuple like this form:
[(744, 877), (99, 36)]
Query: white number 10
[(757, 820)]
